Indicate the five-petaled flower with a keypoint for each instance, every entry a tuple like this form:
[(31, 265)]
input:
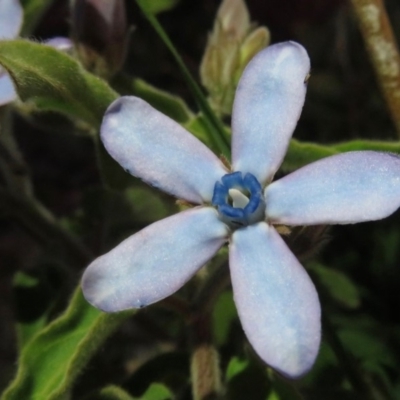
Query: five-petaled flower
[(277, 303)]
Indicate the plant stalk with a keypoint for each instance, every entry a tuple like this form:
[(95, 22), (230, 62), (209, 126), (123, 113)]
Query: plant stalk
[(383, 51)]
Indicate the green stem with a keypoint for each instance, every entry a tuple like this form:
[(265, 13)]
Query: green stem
[(218, 133)]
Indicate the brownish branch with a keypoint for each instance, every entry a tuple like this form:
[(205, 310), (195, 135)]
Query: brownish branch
[(382, 47)]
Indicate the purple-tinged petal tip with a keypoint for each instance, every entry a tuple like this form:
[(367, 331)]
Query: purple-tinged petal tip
[(60, 43)]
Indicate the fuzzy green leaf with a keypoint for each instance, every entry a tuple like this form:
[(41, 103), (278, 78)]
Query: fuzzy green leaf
[(54, 81), (53, 359)]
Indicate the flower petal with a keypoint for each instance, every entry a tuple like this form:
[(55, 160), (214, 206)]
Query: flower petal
[(342, 189), (11, 17), (155, 148), (155, 262), (268, 103), (60, 43), (276, 300), (7, 91)]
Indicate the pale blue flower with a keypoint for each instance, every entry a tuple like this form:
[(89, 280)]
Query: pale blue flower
[(277, 303)]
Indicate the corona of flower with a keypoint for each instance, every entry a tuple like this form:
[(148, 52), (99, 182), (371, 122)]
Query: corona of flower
[(277, 303)]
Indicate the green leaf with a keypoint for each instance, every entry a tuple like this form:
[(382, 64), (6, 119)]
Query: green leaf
[(33, 11), (300, 154), (170, 105), (376, 145), (25, 280), (273, 396), (157, 392), (157, 6), (198, 127), (113, 393), (54, 81), (338, 285), (303, 153), (53, 359), (26, 331), (235, 366)]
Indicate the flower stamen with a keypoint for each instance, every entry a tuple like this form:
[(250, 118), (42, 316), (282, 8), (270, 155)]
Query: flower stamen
[(239, 200)]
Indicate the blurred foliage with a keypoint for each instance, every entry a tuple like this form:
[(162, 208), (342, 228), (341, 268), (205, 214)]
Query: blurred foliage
[(83, 204)]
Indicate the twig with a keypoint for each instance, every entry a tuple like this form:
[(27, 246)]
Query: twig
[(381, 44)]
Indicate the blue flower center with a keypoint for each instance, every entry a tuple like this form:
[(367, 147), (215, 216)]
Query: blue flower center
[(239, 200)]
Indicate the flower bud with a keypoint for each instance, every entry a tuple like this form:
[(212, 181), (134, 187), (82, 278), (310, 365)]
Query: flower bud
[(100, 33), (232, 43)]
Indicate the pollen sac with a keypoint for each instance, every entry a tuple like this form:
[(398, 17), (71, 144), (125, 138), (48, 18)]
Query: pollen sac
[(239, 200)]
